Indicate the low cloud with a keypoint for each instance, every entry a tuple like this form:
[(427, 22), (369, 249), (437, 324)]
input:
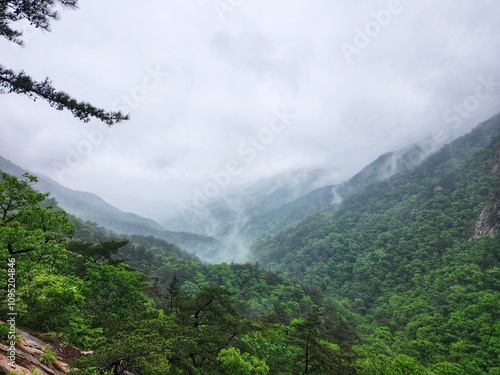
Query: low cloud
[(227, 76)]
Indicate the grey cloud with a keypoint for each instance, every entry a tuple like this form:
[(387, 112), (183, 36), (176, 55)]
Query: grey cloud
[(229, 76)]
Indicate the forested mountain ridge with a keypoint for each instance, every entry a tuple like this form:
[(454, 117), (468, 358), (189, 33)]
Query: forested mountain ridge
[(460, 156), (323, 198), (89, 206), (225, 217), (407, 254), (147, 307), (252, 211), (395, 279)]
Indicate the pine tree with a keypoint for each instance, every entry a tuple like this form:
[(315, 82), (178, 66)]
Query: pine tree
[(174, 293), (40, 13), (25, 225)]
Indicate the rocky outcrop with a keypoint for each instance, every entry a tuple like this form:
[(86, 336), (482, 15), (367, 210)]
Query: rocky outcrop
[(488, 223), (496, 162), (28, 352), (489, 219)]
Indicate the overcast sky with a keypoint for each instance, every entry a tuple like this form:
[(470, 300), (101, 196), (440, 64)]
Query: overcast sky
[(252, 87)]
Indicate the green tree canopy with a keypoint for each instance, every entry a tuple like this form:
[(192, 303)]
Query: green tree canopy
[(25, 225), (233, 362)]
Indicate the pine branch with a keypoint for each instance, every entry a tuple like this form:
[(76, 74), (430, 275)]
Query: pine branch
[(21, 83), (38, 13)]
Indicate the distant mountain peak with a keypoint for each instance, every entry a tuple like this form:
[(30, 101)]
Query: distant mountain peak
[(90, 207)]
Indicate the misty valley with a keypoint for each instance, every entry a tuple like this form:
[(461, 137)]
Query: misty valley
[(236, 187), (394, 271)]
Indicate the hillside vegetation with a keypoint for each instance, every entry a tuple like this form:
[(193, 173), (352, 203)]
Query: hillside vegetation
[(90, 207), (144, 306), (416, 255), (401, 277)]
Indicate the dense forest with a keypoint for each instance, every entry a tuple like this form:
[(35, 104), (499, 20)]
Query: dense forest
[(416, 255), (393, 272), (144, 306), (401, 277)]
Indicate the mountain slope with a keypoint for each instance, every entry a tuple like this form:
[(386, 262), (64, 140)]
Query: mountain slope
[(225, 218), (438, 171), (330, 196), (403, 252), (91, 207), (269, 205)]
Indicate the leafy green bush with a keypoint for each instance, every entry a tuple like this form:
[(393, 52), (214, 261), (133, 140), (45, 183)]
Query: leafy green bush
[(47, 358)]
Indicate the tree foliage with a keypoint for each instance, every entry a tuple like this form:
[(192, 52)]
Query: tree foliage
[(40, 14), (408, 256), (176, 316), (406, 285), (25, 225)]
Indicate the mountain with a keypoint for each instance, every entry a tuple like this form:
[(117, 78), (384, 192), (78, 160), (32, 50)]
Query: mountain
[(91, 207), (265, 207), (231, 210), (225, 218), (330, 196), (416, 254), (395, 271), (446, 168)]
